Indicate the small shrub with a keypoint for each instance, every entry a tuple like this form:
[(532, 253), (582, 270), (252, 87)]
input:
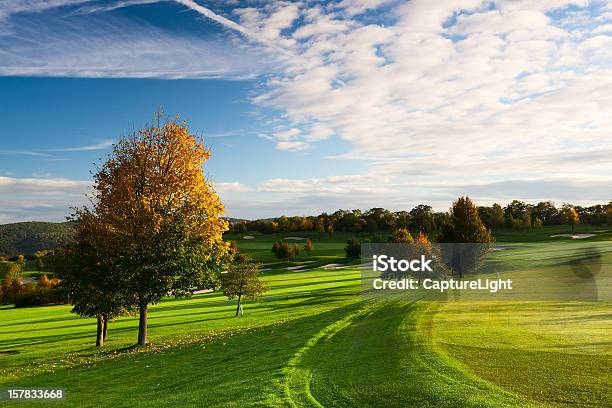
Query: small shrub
[(31, 294), (283, 250), (9, 288), (44, 281), (352, 248), (21, 260), (37, 296), (308, 246)]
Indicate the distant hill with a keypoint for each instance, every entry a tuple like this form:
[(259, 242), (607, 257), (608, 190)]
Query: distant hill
[(235, 220), (29, 237)]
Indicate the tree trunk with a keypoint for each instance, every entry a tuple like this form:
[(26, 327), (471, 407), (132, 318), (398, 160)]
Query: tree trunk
[(238, 307), (105, 329), (142, 323), (99, 333)]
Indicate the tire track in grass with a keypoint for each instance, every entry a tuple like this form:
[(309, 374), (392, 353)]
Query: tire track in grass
[(297, 380), (382, 355)]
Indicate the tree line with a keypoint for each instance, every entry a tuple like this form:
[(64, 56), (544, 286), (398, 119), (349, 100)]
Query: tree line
[(518, 215)]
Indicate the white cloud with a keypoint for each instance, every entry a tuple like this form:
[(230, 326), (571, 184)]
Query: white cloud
[(23, 153), (355, 7), (105, 144), (8, 7), (46, 153), (311, 196), (27, 199), (231, 187), (319, 132), (90, 42), (440, 98), (288, 134), (449, 86), (39, 184), (269, 22), (319, 23), (606, 28), (292, 146)]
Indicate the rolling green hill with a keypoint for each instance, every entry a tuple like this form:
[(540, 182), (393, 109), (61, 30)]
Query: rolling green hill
[(29, 237), (314, 341)]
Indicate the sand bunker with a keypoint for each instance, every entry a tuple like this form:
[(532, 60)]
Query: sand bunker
[(248, 237), (199, 292), (295, 268), (295, 238), (574, 236), (333, 266)]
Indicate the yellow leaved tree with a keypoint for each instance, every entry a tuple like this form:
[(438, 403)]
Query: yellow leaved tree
[(156, 217)]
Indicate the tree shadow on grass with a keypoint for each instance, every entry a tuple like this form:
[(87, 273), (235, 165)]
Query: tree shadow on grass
[(243, 369), (87, 328)]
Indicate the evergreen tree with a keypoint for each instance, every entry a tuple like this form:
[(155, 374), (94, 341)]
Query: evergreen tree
[(464, 227)]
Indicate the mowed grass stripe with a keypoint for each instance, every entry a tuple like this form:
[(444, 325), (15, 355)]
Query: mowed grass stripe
[(454, 354)]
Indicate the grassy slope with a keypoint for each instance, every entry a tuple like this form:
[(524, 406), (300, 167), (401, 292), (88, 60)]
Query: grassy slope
[(313, 341), (29, 237), (551, 352)]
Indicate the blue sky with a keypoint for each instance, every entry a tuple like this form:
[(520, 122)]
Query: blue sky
[(312, 106)]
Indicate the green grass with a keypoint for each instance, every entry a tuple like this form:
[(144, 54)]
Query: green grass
[(543, 234), (555, 353), (314, 341)]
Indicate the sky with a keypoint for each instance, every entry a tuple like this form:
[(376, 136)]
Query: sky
[(311, 105)]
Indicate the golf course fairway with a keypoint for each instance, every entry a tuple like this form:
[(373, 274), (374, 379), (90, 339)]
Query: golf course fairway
[(314, 341)]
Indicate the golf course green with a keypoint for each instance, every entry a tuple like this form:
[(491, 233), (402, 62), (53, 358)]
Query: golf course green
[(313, 341)]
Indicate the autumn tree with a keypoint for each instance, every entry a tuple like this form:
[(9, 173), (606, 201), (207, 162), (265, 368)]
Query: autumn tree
[(422, 246), (308, 246), (422, 239), (11, 284), (570, 215), (241, 281), (284, 250), (14, 270), (402, 236), (464, 227), (161, 216)]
